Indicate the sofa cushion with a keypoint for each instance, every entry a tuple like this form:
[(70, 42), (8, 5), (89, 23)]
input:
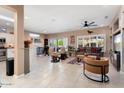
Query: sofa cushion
[(82, 49), (93, 50)]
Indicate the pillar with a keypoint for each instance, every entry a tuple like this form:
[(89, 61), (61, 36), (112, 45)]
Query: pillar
[(19, 38)]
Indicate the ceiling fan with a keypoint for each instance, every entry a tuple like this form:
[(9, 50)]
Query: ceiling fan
[(88, 24)]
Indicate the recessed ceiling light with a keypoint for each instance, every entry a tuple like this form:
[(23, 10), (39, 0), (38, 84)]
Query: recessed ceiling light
[(6, 18)]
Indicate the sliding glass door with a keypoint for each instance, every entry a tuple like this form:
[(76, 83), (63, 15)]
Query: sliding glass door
[(58, 42), (92, 41)]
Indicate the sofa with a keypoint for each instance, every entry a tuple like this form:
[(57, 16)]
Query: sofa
[(90, 51)]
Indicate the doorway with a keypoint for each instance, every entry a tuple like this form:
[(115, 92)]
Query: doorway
[(6, 42), (14, 41)]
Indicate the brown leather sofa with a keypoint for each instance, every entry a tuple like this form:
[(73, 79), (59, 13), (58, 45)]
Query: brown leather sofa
[(100, 67)]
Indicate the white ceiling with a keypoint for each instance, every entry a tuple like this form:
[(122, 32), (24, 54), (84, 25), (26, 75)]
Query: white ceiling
[(53, 19)]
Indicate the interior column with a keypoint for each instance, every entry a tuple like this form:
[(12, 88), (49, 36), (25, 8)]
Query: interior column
[(122, 50), (122, 38), (19, 40)]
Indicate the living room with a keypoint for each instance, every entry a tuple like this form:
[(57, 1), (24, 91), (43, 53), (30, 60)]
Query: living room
[(106, 36), (59, 46), (70, 38)]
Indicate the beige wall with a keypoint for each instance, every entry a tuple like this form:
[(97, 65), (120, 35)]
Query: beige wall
[(26, 33), (10, 29), (42, 37), (120, 16), (102, 30), (27, 37), (10, 37), (19, 38)]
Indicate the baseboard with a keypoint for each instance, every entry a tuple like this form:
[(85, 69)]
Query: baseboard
[(19, 76)]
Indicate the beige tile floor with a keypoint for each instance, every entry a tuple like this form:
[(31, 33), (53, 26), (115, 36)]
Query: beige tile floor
[(45, 74)]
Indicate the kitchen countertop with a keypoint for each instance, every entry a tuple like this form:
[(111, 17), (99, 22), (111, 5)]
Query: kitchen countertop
[(9, 47)]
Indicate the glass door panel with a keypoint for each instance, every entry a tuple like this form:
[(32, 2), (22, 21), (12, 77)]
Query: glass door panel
[(80, 42), (93, 41), (86, 41)]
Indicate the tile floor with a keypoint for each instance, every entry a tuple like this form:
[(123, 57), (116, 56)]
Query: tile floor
[(45, 74)]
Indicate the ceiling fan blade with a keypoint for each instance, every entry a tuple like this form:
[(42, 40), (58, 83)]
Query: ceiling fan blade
[(91, 23), (85, 26), (94, 25), (82, 24)]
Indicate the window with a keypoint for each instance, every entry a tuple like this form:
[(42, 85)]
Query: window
[(91, 41), (80, 42), (61, 42), (36, 40)]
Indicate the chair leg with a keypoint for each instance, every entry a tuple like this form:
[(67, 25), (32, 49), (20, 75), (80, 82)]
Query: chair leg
[(78, 60), (102, 78), (106, 78)]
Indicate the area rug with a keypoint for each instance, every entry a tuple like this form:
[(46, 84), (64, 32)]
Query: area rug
[(74, 61)]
